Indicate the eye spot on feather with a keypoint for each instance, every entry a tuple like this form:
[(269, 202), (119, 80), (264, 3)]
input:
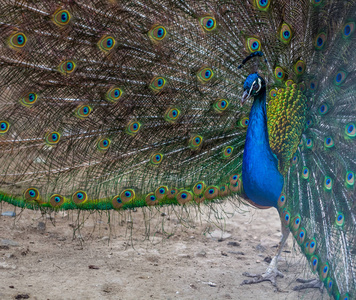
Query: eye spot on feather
[(285, 217), (106, 43), (314, 263), (79, 197), (199, 188), (171, 193), (157, 83), (305, 173), (345, 297), (329, 142), (61, 17), (160, 192), (117, 202), (211, 192), (273, 93), (329, 284), (31, 194), (311, 247), (350, 178), (151, 199), (156, 158), (224, 190), (253, 44), (299, 67), (204, 75), (348, 29), (56, 200), (263, 4), (340, 219), (227, 152), (316, 2), (17, 40), (103, 144), (300, 236), (282, 200), (312, 85), (244, 122), (324, 270), (309, 143), (127, 195), (324, 108), (133, 127), (29, 99), (4, 127), (195, 142), (320, 41), (208, 23), (310, 123), (285, 33), (83, 111), (172, 115), (350, 130), (234, 178), (67, 67), (184, 197), (279, 73), (295, 223), (113, 94), (221, 105), (328, 183), (157, 33), (295, 159), (340, 78), (52, 138)]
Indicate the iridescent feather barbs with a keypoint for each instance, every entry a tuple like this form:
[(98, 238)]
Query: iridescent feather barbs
[(121, 104)]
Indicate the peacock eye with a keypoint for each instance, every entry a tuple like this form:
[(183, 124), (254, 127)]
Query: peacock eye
[(340, 77), (106, 43), (18, 40), (348, 29), (253, 44), (263, 4), (285, 33), (157, 83), (61, 17), (279, 73), (205, 74), (157, 33), (208, 23), (320, 41), (67, 67)]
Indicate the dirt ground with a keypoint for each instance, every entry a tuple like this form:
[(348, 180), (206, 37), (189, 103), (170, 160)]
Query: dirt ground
[(48, 257)]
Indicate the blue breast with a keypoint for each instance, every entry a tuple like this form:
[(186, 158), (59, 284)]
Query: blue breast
[(262, 181)]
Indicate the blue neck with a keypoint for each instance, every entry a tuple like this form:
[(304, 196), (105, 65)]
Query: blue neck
[(261, 179)]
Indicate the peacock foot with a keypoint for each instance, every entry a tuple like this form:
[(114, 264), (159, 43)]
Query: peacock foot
[(271, 275), (309, 284)]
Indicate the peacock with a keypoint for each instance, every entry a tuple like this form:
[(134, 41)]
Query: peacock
[(114, 104)]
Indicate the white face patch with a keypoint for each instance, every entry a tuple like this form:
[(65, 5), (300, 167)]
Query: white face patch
[(259, 82)]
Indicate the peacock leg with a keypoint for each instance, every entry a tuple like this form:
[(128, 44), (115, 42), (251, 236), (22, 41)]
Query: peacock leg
[(309, 284), (272, 271)]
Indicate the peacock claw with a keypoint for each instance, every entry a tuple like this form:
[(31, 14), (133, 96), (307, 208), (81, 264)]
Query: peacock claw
[(308, 284), (271, 275)]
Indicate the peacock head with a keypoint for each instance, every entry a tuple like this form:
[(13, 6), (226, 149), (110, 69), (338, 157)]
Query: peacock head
[(253, 86)]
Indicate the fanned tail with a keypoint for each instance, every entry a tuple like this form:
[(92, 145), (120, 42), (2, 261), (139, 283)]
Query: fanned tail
[(319, 187)]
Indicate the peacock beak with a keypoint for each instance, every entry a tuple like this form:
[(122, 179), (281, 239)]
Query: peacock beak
[(245, 96)]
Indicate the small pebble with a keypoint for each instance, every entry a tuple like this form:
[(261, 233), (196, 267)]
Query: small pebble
[(6, 242), (9, 214), (234, 244)]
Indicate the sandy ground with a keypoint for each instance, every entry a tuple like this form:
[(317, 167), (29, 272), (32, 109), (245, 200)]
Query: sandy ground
[(47, 257)]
